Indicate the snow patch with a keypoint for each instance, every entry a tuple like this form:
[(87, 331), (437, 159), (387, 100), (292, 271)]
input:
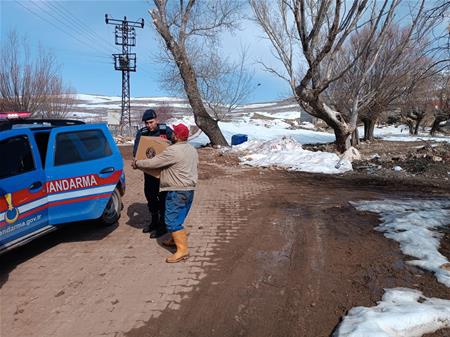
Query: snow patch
[(401, 313), (415, 224), (288, 153)]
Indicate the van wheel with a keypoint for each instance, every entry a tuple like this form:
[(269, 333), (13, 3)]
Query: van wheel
[(112, 210)]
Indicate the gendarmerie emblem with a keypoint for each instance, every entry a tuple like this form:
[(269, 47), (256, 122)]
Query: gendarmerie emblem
[(150, 153), (12, 213)]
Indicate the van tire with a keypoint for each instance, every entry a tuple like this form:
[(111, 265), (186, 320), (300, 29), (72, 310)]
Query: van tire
[(111, 213)]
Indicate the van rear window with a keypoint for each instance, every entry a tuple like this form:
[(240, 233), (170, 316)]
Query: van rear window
[(79, 146)]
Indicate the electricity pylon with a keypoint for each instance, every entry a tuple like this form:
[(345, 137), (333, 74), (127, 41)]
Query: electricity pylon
[(125, 36)]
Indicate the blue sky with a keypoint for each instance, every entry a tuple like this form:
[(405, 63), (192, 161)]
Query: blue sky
[(77, 35)]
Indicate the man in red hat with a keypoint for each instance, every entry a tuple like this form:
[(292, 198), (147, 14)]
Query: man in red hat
[(178, 164)]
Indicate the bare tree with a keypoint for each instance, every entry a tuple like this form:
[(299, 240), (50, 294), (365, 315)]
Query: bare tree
[(322, 29), (413, 116), (32, 85), (164, 112), (437, 17), (415, 74), (58, 102), (395, 71), (418, 103), (441, 112), (188, 29), (224, 84)]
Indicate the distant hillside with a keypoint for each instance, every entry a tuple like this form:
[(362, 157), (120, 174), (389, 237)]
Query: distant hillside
[(95, 108)]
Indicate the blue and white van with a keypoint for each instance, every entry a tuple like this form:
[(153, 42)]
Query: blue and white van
[(53, 172)]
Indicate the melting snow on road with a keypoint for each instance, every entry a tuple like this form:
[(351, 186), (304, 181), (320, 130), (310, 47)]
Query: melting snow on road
[(415, 224), (405, 312), (401, 313)]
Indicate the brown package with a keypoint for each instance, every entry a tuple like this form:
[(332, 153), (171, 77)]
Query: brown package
[(150, 147)]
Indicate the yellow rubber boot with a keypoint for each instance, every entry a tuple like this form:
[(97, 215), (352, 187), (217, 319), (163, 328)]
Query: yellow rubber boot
[(182, 252), (170, 242)]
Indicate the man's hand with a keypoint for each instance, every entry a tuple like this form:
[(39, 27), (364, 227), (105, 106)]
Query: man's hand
[(133, 164)]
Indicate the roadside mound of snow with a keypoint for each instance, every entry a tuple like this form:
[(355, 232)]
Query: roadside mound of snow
[(287, 153)]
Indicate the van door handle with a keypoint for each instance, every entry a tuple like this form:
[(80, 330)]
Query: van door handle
[(107, 170), (35, 185)]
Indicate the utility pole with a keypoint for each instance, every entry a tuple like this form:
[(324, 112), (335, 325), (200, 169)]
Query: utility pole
[(125, 36)]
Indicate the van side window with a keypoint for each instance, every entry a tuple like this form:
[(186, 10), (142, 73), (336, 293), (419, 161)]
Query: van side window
[(79, 146), (16, 155)]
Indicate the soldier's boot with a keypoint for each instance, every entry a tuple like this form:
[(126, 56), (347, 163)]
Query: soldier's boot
[(182, 253), (153, 224), (160, 230)]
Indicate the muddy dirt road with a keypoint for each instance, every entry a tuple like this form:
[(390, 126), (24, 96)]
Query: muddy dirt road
[(273, 253)]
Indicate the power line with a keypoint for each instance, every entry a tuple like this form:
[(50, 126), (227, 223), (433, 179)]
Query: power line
[(74, 25), (64, 22), (101, 54), (59, 28), (78, 25), (72, 52)]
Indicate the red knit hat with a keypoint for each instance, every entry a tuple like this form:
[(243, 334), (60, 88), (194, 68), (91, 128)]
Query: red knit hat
[(181, 131)]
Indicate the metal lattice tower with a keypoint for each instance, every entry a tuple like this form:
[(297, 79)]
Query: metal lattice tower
[(125, 36)]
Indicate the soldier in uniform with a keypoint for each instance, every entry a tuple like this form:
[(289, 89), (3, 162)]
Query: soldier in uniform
[(155, 198)]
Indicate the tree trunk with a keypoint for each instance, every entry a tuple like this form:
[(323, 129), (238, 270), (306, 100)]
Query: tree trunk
[(355, 137), (369, 127), (436, 125), (411, 127), (333, 119), (342, 139), (416, 128), (203, 120)]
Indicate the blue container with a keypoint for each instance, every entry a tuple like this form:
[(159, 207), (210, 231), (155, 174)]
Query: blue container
[(238, 139)]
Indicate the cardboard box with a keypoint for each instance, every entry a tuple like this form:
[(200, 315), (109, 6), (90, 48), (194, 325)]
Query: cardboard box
[(150, 147)]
